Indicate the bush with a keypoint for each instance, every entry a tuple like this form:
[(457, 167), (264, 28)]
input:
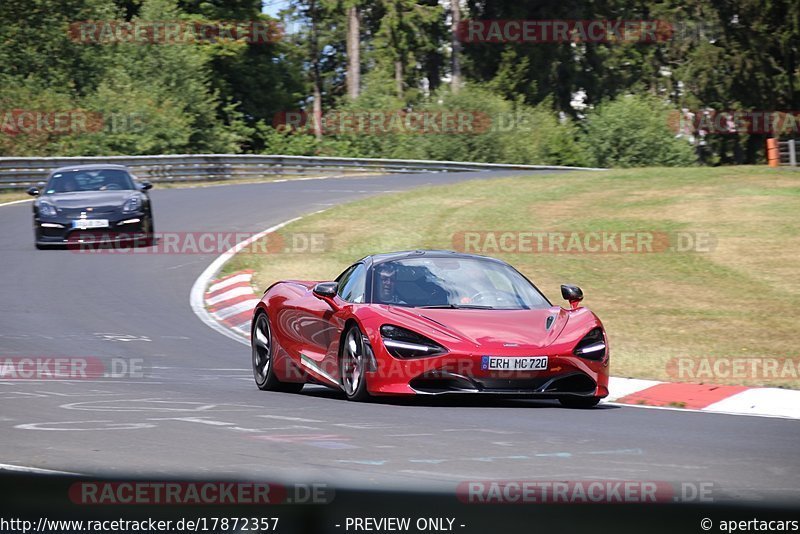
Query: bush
[(496, 131), (633, 131)]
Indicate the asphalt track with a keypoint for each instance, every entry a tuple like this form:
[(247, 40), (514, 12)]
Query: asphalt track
[(196, 411)]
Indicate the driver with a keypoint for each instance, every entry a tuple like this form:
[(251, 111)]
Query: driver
[(387, 284), (68, 184)]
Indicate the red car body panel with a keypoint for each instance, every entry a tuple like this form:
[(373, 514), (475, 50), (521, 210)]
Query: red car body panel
[(307, 333)]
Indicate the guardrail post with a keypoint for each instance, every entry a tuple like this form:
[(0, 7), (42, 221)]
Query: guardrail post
[(793, 152), (773, 153)]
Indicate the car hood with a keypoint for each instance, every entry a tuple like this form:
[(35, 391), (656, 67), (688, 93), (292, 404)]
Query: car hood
[(97, 199), (489, 329)]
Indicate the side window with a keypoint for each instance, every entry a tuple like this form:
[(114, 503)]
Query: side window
[(344, 277), (352, 284)]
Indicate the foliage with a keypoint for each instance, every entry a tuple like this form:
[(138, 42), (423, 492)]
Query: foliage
[(634, 131), (560, 102)]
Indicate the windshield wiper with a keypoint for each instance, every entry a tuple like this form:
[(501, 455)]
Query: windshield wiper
[(458, 307)]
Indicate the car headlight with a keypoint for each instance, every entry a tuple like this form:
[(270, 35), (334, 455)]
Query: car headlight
[(47, 210), (592, 346), (402, 343), (131, 205)]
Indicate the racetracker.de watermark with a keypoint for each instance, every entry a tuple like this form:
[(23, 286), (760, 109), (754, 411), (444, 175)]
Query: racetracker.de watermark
[(176, 493), (765, 368), (734, 122), (582, 492), (378, 122), (111, 242), (582, 31), (174, 32), (69, 368), (15, 122), (571, 242)]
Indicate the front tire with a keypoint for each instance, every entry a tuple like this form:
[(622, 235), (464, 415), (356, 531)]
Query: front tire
[(263, 368), (148, 230), (579, 402), (353, 366)]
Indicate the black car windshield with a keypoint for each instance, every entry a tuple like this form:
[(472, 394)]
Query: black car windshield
[(90, 180), (443, 282)]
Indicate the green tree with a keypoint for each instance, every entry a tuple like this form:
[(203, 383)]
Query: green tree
[(634, 131)]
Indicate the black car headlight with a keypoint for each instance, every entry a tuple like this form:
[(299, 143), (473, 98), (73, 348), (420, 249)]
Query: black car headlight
[(592, 346), (402, 343), (47, 210), (131, 205)]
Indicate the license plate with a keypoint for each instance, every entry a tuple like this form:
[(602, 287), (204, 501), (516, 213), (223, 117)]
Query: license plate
[(525, 363), (84, 224)]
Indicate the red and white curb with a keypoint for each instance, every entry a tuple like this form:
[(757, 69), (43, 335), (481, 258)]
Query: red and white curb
[(231, 299), (208, 279), (738, 400)]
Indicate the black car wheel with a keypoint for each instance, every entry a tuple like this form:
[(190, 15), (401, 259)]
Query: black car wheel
[(263, 368), (353, 366), (146, 236)]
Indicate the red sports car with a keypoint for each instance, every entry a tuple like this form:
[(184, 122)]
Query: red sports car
[(429, 322)]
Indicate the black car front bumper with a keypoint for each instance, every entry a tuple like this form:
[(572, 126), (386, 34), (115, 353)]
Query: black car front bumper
[(121, 228)]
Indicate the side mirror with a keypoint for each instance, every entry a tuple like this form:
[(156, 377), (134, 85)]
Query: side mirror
[(573, 294), (146, 185), (33, 191), (326, 291)]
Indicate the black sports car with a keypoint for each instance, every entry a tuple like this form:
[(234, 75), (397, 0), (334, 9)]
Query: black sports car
[(92, 204)]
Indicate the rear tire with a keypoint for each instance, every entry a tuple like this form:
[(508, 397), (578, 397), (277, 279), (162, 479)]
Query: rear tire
[(263, 368), (579, 402), (353, 366)]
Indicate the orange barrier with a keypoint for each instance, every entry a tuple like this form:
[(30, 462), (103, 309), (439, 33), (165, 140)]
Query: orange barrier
[(773, 153)]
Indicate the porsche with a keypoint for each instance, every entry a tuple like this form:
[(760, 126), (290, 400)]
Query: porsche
[(91, 204), (429, 322)]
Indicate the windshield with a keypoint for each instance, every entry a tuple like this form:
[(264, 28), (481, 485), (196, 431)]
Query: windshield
[(453, 283), (90, 180)]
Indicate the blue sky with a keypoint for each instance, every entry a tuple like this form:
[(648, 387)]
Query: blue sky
[(272, 7)]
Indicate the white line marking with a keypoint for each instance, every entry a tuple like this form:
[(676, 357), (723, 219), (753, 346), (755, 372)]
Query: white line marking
[(16, 202), (102, 426), (72, 381), (183, 265), (192, 420), (26, 469), (690, 410), (286, 418)]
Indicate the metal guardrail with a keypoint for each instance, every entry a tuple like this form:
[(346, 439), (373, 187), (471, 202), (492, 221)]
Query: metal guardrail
[(788, 151), (17, 173)]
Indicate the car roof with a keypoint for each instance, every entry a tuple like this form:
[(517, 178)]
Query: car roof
[(422, 253), (92, 167)]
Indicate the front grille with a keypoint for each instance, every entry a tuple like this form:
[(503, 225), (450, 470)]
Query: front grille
[(46, 231), (443, 382), (75, 213)]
